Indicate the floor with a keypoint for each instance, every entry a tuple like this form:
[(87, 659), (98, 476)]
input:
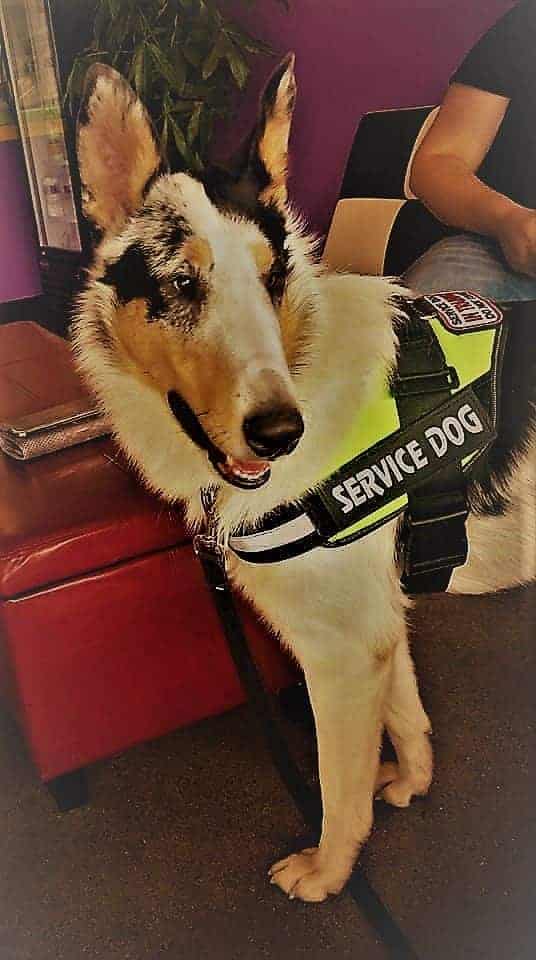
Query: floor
[(170, 857)]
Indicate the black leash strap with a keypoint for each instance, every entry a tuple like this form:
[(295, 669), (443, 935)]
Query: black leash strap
[(307, 801)]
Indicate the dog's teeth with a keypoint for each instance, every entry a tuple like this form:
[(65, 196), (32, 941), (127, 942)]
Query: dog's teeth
[(245, 473), (246, 470)]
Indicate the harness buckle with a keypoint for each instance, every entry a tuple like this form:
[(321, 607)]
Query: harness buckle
[(208, 546), (434, 543), (418, 384)]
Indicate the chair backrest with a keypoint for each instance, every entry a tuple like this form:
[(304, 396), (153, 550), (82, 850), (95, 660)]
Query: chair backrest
[(379, 227), (379, 164)]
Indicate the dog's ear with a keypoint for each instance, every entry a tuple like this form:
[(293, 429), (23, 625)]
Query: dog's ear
[(117, 149), (268, 159)]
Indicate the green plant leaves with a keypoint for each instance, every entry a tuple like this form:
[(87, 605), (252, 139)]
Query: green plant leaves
[(214, 57), (185, 59), (137, 71), (164, 67), (178, 136), (193, 124), (238, 64)]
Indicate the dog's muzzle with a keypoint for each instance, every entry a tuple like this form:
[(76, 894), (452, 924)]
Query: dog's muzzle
[(246, 474)]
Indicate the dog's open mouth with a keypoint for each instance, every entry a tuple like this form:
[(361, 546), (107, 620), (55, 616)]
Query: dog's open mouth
[(246, 474)]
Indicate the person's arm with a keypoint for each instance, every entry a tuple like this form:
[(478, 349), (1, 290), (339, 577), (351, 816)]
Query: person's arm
[(443, 175)]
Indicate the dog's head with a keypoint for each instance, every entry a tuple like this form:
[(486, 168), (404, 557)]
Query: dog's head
[(194, 322)]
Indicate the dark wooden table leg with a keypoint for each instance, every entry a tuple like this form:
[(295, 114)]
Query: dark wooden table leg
[(70, 790)]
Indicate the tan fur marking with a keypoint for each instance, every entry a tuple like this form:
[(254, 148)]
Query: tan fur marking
[(168, 360), (145, 349), (263, 256), (198, 252), (295, 332), (273, 150)]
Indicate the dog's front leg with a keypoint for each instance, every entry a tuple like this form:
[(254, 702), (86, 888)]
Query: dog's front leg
[(347, 687)]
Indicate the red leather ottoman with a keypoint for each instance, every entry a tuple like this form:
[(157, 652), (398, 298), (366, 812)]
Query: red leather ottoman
[(107, 633)]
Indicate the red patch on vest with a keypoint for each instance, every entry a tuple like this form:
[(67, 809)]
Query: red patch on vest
[(465, 311)]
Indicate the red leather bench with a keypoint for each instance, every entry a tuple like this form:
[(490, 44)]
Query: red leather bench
[(107, 633)]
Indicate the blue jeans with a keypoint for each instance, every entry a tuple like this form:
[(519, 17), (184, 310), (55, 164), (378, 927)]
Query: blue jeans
[(469, 262)]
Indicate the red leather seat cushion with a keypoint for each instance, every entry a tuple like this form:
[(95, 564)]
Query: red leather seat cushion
[(97, 653), (72, 512)]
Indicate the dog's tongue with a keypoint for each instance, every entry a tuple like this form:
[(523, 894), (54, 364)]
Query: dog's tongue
[(251, 469)]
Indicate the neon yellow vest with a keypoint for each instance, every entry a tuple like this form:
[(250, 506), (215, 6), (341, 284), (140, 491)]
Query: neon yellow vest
[(376, 466), (472, 353)]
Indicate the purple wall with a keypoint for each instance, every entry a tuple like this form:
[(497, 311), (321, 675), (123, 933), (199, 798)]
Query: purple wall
[(353, 56), (19, 274)]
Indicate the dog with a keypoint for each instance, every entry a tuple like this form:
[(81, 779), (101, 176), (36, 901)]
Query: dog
[(227, 356)]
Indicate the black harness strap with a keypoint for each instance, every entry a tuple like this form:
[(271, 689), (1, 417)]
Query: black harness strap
[(306, 799), (433, 533)]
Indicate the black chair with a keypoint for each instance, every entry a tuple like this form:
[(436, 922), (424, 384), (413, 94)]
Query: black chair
[(378, 226)]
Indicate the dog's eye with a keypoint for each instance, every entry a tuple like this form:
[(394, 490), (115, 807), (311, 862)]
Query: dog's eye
[(186, 285)]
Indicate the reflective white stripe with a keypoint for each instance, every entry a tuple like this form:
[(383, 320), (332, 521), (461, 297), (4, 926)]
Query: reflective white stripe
[(280, 536)]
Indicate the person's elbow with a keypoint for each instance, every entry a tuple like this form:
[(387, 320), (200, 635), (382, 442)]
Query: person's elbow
[(433, 173), (423, 169)]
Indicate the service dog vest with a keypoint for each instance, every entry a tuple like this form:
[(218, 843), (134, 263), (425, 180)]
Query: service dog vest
[(421, 432)]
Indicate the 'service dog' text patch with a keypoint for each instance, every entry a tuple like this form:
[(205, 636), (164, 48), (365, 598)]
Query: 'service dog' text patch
[(465, 311), (406, 459)]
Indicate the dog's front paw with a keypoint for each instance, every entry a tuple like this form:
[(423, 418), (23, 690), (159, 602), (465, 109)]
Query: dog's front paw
[(397, 789), (303, 876)]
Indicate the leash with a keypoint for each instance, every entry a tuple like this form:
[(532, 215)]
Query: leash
[(211, 554)]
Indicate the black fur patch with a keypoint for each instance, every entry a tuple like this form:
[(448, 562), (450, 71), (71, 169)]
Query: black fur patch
[(238, 193), (174, 235), (172, 232), (488, 494), (90, 83), (100, 332), (131, 279), (171, 229)]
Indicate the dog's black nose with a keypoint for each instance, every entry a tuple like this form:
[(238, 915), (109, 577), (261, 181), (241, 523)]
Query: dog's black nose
[(275, 432)]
